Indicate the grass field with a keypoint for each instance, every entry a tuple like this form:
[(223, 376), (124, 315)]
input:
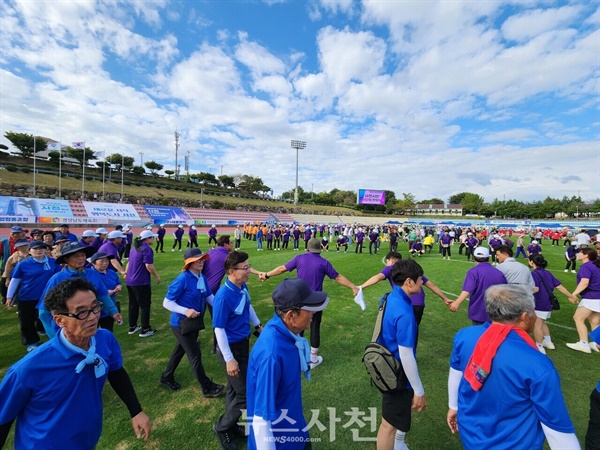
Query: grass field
[(183, 419)]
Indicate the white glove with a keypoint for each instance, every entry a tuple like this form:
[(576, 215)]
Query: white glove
[(360, 299)]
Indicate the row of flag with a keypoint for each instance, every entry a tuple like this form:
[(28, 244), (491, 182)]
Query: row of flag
[(56, 145)]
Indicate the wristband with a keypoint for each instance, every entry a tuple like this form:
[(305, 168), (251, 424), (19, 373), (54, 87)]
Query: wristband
[(267, 276)]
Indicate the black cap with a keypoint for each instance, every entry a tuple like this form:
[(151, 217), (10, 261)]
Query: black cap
[(99, 255), (70, 248)]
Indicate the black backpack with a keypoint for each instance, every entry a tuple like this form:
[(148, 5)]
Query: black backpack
[(385, 370)]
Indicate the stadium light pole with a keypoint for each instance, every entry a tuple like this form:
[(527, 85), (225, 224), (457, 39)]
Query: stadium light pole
[(297, 145)]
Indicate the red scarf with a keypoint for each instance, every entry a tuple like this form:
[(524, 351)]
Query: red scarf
[(480, 364)]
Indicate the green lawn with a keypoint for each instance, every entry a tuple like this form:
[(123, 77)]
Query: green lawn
[(184, 419)]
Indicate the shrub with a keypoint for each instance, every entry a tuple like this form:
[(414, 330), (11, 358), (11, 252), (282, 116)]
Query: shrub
[(25, 170), (11, 168)]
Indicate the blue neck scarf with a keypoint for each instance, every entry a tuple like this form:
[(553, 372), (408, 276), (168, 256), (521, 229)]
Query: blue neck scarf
[(303, 353), (245, 299), (44, 261), (90, 356)]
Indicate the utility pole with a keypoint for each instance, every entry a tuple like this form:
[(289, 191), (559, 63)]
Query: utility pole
[(177, 155)]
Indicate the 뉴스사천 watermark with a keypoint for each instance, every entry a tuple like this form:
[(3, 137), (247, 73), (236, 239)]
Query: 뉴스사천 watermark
[(354, 422)]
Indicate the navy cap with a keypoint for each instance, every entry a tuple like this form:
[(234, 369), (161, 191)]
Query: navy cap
[(38, 244), (16, 229), (294, 293)]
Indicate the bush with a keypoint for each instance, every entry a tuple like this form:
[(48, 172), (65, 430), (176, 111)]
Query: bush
[(11, 168), (25, 170)]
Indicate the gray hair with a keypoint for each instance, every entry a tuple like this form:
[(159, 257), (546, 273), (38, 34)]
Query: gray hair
[(505, 303)]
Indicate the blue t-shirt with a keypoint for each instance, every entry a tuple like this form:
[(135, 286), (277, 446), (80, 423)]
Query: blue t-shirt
[(399, 326), (34, 277), (55, 407), (184, 291), (522, 390), (226, 301), (110, 280), (273, 386)]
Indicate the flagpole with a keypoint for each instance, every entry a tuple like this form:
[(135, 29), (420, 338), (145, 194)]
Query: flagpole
[(59, 169), (83, 174), (122, 171), (34, 190), (103, 167)]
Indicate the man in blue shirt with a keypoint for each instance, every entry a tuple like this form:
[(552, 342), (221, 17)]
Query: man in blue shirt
[(277, 362), (502, 392), (398, 335), (232, 314), (55, 393), (64, 232)]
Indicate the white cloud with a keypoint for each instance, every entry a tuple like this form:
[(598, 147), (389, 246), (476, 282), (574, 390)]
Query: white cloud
[(531, 23)]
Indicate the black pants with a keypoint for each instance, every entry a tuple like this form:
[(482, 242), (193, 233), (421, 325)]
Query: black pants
[(140, 298), (371, 244), (126, 251), (107, 323), (359, 245), (238, 243), (315, 330), (394, 246), (160, 244), (186, 345), (571, 264), (446, 252), (235, 392), (212, 239), (460, 249), (193, 242), (592, 437), (28, 316), (418, 310), (177, 241), (285, 244), (469, 252)]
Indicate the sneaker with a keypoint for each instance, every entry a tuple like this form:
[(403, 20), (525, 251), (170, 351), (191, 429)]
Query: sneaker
[(225, 439), (239, 431), (31, 347), (169, 383), (172, 249), (133, 330), (148, 332), (593, 346), (541, 348), (566, 270), (580, 347), (316, 362), (573, 271), (549, 345), (212, 390)]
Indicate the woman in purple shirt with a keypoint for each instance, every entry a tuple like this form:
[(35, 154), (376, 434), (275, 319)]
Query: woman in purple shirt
[(588, 285), (545, 283), (139, 269)]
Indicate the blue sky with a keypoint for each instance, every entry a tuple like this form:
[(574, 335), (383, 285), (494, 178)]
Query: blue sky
[(500, 98)]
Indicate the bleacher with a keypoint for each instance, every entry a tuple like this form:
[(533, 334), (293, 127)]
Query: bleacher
[(77, 208), (142, 213)]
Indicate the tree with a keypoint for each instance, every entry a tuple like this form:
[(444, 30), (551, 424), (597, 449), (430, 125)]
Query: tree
[(207, 178), (432, 201), (407, 203), (153, 166), (138, 170), (472, 203), (116, 159), (227, 181), (54, 158), (103, 164), (457, 199), (25, 143), (79, 153), (169, 173), (253, 184)]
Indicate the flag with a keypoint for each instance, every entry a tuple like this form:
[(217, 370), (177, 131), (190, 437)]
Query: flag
[(78, 144), (54, 146)]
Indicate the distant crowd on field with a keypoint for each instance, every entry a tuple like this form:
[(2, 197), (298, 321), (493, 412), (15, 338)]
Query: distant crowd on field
[(66, 287)]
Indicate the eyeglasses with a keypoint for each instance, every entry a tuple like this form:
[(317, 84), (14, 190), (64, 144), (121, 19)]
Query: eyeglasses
[(82, 315), (248, 267)]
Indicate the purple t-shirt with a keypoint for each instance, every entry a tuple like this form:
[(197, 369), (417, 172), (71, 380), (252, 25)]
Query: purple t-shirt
[(137, 273), (419, 299), (534, 249), (214, 268), (312, 268), (212, 233), (541, 297), (307, 234), (477, 280), (445, 239), (110, 249), (590, 271)]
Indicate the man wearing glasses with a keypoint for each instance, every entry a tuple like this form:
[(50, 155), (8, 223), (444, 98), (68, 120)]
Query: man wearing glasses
[(232, 313), (55, 393)]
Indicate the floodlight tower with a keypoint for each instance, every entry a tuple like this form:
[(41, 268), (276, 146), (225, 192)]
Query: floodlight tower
[(297, 145)]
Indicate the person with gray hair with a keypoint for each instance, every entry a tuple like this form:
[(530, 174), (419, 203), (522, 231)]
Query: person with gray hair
[(532, 407)]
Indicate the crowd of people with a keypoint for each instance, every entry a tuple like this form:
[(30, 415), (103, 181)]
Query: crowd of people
[(66, 287)]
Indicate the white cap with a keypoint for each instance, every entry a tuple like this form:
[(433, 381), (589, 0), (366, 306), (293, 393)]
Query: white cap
[(213, 225), (180, 226), (481, 252), (147, 234), (193, 227), (116, 234), (126, 228), (101, 231), (88, 233), (534, 242), (149, 227)]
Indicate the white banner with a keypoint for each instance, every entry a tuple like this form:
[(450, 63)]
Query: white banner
[(17, 220), (113, 211)]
